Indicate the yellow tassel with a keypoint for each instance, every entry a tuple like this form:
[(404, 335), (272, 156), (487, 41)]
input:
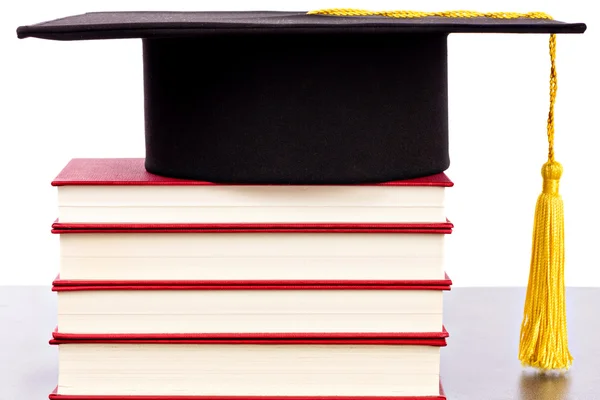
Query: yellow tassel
[(544, 328), (543, 341)]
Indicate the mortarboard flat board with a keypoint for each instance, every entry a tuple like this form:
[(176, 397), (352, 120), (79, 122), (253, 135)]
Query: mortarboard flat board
[(290, 97)]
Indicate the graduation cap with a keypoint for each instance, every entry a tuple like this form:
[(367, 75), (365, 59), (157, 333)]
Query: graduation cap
[(337, 96)]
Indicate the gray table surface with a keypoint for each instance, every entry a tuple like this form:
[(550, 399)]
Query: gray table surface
[(479, 363)]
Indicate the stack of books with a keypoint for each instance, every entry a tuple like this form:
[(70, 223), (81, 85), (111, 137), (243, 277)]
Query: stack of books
[(179, 289)]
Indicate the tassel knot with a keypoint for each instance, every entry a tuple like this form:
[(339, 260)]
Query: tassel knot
[(551, 172)]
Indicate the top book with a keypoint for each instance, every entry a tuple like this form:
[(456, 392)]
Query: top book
[(114, 191)]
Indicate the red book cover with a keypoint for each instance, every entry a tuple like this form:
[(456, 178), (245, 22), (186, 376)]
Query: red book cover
[(60, 285), (428, 228), (131, 171), (266, 340), (55, 396)]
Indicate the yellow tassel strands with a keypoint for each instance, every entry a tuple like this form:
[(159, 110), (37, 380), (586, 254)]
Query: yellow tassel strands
[(543, 339), (544, 343)]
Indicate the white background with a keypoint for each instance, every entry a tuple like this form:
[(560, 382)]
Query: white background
[(61, 100)]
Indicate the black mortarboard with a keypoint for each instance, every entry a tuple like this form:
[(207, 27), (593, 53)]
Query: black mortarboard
[(289, 97)]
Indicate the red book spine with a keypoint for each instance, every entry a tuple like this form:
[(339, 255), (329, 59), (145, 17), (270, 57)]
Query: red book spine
[(423, 228), (265, 340), (81, 285)]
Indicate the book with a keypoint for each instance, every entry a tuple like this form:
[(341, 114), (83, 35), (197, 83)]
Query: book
[(144, 252), (122, 191), (352, 368), (295, 309)]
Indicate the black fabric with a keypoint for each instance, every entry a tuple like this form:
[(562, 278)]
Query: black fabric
[(115, 25), (304, 109)]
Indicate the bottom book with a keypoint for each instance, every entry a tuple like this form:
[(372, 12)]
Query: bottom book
[(112, 369)]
